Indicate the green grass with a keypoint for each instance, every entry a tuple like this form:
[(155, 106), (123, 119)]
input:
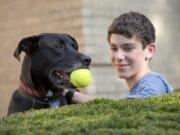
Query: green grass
[(152, 116)]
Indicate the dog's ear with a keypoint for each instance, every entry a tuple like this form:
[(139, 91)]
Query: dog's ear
[(74, 40), (28, 45)]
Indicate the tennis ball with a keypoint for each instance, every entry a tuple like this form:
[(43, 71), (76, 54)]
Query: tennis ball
[(80, 78)]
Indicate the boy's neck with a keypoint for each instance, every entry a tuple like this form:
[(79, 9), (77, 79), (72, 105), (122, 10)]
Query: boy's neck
[(135, 78)]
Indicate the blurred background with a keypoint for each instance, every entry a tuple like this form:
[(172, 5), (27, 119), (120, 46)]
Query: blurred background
[(87, 21)]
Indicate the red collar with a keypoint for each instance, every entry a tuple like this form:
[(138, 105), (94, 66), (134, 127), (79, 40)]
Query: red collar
[(30, 91)]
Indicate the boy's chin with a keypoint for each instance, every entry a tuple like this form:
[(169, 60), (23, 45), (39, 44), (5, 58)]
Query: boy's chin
[(123, 75)]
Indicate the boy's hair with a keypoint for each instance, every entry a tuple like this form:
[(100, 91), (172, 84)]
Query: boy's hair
[(133, 23)]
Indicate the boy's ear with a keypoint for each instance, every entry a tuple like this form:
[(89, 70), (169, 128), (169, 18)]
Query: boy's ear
[(151, 50), (28, 45)]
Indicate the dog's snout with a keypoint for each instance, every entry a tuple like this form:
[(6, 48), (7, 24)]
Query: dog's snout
[(86, 60)]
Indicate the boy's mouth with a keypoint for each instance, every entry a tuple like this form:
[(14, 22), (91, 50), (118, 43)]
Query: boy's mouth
[(121, 66)]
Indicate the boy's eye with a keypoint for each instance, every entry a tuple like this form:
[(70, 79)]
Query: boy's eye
[(128, 48), (113, 49)]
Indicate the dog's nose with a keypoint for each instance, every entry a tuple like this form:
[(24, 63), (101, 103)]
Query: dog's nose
[(86, 60)]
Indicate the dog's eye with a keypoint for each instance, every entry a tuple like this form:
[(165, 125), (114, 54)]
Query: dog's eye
[(60, 46)]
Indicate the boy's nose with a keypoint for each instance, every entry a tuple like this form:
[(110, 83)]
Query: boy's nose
[(119, 56)]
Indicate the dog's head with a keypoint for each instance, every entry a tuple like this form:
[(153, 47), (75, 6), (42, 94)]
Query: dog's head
[(49, 60)]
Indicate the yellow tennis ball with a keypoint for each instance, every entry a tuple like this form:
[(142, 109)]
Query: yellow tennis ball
[(81, 78)]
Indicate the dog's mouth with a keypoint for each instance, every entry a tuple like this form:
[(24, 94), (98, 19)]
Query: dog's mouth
[(61, 79), (61, 76)]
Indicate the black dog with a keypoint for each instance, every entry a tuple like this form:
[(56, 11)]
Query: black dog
[(49, 60)]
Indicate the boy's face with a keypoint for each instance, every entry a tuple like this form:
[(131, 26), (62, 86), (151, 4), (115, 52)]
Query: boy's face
[(128, 56)]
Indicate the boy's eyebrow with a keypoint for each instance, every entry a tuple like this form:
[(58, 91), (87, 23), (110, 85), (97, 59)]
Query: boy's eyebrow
[(128, 44), (124, 44), (112, 44)]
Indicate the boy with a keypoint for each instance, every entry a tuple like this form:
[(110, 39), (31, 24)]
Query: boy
[(132, 42), (131, 37)]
